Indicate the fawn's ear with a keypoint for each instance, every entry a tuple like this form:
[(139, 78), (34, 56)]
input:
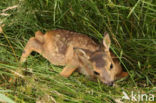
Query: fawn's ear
[(106, 41), (82, 53), (123, 74), (83, 56)]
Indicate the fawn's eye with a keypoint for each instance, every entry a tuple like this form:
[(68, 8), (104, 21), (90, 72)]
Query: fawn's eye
[(111, 66), (96, 73)]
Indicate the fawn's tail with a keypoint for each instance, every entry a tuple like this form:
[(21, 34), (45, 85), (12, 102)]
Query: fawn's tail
[(39, 36)]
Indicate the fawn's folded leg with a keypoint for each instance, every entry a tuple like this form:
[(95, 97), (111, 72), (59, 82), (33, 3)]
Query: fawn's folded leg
[(67, 71), (32, 45)]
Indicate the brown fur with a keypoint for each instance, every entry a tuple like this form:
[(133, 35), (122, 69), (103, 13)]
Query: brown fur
[(75, 51)]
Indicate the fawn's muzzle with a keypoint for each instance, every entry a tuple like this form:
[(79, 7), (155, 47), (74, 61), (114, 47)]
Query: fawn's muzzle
[(110, 83)]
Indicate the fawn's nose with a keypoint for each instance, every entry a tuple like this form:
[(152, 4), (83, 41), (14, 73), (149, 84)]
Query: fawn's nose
[(110, 83)]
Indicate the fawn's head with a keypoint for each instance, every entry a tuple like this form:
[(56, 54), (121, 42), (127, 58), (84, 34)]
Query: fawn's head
[(102, 63)]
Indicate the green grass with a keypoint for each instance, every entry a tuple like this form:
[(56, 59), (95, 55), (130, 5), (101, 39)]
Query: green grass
[(131, 25)]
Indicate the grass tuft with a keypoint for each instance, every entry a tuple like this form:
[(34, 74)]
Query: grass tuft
[(131, 26)]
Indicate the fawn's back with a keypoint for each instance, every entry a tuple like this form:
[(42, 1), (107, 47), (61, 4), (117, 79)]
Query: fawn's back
[(56, 43)]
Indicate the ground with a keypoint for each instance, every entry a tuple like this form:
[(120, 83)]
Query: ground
[(131, 25)]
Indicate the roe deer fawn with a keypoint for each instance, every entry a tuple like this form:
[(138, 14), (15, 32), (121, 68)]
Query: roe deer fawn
[(78, 52)]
